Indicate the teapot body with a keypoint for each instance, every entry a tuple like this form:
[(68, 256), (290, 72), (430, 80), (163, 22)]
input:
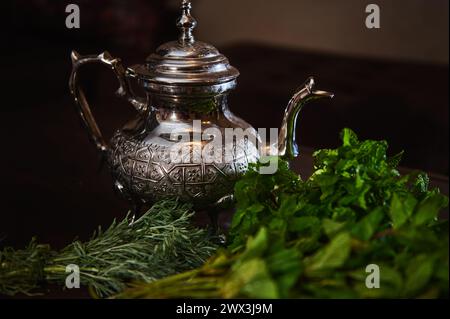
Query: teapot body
[(156, 156)]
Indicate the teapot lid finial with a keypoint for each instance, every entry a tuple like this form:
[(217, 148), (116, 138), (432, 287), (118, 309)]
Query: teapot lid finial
[(186, 66), (186, 23)]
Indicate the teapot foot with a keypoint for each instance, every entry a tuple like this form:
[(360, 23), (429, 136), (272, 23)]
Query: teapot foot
[(136, 205), (216, 231)]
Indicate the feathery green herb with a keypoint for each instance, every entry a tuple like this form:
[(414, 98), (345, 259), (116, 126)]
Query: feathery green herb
[(161, 242)]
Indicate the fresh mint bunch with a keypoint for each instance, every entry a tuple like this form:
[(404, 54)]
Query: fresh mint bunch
[(354, 183)]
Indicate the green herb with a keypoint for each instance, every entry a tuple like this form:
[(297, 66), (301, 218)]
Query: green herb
[(160, 243), (315, 238)]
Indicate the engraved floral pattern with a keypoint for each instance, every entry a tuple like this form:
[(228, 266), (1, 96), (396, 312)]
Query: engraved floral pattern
[(146, 172)]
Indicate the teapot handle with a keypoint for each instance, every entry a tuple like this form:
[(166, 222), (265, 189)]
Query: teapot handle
[(125, 91)]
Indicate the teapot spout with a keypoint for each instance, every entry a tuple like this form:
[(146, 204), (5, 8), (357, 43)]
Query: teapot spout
[(287, 145)]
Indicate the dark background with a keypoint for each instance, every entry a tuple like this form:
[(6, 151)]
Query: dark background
[(51, 184)]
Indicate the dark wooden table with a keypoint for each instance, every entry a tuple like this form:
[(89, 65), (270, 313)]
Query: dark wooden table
[(51, 187)]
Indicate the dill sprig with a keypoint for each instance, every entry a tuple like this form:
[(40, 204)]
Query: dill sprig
[(161, 242)]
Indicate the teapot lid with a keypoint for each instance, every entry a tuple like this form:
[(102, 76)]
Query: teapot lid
[(186, 65)]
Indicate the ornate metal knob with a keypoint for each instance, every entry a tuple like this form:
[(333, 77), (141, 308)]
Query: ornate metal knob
[(186, 23)]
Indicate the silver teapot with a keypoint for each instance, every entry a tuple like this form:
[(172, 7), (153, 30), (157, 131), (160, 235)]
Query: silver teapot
[(185, 81)]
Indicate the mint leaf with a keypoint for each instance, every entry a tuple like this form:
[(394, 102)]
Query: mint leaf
[(418, 274), (367, 226), (401, 209), (332, 256), (429, 208)]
